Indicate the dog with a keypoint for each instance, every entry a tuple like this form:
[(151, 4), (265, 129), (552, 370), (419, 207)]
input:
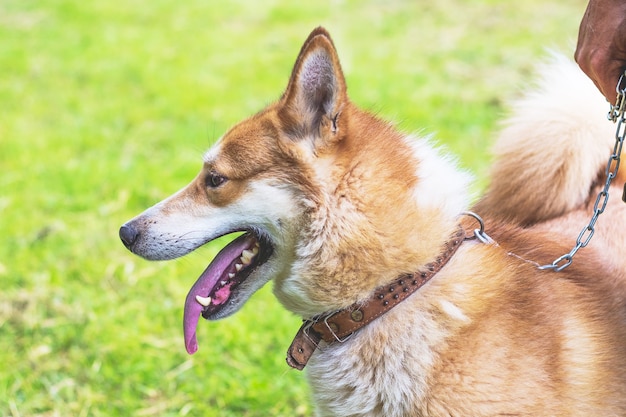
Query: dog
[(412, 305)]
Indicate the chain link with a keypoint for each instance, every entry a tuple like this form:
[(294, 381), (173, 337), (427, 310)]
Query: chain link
[(616, 115)]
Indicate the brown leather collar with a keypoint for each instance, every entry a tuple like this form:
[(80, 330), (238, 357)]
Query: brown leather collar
[(340, 325)]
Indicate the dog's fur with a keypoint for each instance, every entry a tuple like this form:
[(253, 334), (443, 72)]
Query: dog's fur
[(345, 203)]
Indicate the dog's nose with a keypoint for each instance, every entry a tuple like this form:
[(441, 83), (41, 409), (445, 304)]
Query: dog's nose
[(129, 235)]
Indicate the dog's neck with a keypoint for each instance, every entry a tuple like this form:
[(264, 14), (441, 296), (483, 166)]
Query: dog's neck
[(338, 326), (357, 214)]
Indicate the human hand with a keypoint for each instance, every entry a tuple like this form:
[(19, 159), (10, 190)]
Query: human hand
[(601, 49)]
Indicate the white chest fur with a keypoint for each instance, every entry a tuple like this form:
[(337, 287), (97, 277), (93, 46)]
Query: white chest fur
[(382, 370)]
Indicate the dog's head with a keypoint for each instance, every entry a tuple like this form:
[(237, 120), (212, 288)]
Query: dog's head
[(302, 181), (252, 181)]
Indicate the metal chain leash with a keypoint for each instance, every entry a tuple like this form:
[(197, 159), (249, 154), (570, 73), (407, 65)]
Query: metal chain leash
[(616, 115)]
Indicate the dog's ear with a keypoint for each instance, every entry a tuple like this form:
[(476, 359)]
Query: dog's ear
[(316, 93)]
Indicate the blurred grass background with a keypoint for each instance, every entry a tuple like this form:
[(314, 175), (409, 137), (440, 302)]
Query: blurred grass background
[(106, 108)]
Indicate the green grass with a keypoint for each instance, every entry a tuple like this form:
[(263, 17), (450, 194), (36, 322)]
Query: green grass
[(106, 108)]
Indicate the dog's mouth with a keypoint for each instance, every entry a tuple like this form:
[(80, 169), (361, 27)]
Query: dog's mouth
[(220, 280)]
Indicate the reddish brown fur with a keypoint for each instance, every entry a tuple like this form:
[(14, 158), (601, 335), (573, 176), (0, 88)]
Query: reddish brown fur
[(507, 303)]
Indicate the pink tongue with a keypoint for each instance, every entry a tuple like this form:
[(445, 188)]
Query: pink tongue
[(205, 283)]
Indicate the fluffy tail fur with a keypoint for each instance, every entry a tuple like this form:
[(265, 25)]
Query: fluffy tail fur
[(552, 149)]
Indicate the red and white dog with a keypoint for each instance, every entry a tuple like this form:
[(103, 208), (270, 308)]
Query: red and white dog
[(336, 204)]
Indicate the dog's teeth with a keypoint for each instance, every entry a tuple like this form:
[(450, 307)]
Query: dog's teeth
[(204, 301), (255, 249), (246, 257), (223, 282), (231, 275), (238, 267)]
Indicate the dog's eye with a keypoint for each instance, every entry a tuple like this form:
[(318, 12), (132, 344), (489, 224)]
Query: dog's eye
[(214, 180)]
